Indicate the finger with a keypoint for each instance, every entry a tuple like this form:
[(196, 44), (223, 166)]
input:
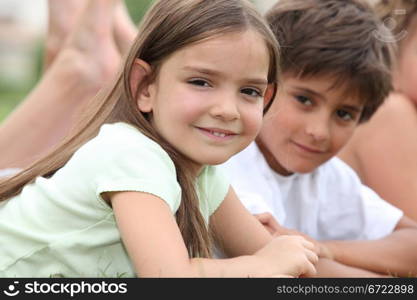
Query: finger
[(309, 245), (276, 234), (310, 270), (312, 256), (263, 217), (270, 229)]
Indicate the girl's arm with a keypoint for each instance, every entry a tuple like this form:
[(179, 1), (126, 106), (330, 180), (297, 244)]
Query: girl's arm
[(155, 245), (240, 233)]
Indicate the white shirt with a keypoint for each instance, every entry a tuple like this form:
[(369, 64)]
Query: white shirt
[(327, 204)]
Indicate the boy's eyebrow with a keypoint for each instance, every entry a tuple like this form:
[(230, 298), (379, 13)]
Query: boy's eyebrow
[(311, 92), (353, 108), (216, 73), (317, 94)]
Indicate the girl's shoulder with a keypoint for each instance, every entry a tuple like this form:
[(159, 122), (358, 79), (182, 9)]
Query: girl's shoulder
[(125, 134), (123, 144), (123, 137)]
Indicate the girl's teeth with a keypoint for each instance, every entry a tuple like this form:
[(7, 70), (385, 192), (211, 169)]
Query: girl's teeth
[(218, 134)]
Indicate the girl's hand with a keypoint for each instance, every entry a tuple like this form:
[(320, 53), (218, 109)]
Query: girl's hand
[(274, 228), (289, 256), (320, 248)]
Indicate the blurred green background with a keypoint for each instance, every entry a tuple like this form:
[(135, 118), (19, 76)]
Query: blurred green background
[(21, 58), (12, 94)]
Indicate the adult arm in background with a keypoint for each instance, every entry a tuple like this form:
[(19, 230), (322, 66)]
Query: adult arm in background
[(81, 55), (383, 153)]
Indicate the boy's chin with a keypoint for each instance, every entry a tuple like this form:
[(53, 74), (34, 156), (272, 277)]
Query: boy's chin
[(303, 169)]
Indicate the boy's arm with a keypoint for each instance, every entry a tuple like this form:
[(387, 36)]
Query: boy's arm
[(326, 266), (394, 254), (329, 268)]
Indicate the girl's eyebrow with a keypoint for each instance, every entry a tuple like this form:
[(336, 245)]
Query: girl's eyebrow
[(211, 72), (202, 70)]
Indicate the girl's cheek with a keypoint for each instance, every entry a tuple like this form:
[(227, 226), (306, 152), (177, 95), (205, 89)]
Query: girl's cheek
[(258, 122)]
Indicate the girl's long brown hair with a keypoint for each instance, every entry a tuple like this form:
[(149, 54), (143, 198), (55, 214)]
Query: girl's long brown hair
[(168, 26)]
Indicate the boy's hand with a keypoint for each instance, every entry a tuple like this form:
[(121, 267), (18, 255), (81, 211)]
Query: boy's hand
[(269, 223), (274, 228)]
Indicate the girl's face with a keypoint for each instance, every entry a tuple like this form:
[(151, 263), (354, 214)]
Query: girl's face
[(405, 77), (307, 124), (208, 98)]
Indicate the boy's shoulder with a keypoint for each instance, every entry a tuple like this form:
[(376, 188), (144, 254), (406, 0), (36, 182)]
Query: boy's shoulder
[(336, 173)]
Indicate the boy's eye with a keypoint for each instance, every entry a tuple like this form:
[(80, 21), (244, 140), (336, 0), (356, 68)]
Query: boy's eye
[(344, 115), (199, 82), (304, 100), (251, 92)]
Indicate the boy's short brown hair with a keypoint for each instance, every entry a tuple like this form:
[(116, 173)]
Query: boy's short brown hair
[(338, 38)]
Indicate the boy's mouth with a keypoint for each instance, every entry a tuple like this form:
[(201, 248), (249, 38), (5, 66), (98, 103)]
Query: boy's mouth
[(308, 149)]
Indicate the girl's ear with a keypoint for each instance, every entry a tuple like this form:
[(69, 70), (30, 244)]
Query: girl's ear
[(139, 75)]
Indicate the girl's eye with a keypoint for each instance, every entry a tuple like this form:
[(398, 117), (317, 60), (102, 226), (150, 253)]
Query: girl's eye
[(304, 100), (199, 82), (344, 115), (251, 92)]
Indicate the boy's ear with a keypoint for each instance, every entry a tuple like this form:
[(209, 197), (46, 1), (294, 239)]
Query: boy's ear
[(269, 93), (139, 84)]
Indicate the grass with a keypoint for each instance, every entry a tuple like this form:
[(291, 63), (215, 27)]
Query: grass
[(9, 101)]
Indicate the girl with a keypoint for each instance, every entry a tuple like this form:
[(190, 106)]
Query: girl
[(185, 101)]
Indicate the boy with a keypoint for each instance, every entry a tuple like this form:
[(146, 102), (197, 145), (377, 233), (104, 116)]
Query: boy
[(336, 73)]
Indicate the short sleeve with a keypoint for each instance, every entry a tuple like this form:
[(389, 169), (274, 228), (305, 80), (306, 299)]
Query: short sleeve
[(222, 185), (350, 210), (213, 188), (123, 159), (380, 216)]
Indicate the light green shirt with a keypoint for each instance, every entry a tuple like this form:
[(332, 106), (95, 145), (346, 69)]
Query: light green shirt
[(61, 225)]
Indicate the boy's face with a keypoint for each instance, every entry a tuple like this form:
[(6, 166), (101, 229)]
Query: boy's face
[(307, 124)]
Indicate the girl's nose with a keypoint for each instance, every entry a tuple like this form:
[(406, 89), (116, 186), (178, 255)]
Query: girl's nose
[(225, 108)]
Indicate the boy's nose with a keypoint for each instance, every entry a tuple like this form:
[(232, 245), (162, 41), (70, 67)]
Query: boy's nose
[(319, 130)]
